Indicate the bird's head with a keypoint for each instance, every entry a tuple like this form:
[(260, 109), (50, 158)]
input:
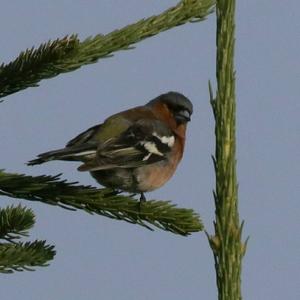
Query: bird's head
[(180, 107)]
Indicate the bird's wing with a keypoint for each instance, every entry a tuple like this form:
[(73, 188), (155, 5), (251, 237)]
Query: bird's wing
[(84, 146), (144, 142), (84, 137)]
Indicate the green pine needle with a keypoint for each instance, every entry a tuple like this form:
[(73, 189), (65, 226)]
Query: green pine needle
[(226, 243), (15, 222), (68, 54), (25, 256), (69, 195)]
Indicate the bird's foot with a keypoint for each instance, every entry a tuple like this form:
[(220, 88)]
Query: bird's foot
[(142, 200)]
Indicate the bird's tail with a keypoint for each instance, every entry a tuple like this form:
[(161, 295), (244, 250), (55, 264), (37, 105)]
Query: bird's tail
[(71, 154)]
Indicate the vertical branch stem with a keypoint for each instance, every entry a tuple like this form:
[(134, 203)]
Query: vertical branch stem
[(226, 244)]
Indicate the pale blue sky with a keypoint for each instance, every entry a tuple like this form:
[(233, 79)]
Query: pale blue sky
[(98, 258)]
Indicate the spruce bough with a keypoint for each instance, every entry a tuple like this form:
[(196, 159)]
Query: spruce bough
[(226, 243)]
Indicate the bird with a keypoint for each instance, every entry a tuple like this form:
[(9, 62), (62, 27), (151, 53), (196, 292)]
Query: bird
[(136, 150)]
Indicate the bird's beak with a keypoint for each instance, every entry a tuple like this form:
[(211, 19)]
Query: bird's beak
[(183, 116)]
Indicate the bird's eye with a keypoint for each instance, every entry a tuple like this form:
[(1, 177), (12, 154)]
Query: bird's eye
[(182, 116)]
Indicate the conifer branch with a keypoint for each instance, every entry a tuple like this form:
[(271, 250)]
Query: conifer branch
[(68, 54), (226, 243), (24, 256), (51, 190), (15, 222)]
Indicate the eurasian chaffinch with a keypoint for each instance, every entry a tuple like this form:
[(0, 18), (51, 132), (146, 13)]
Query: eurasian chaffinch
[(136, 150)]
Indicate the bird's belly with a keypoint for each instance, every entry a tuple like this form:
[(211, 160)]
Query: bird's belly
[(120, 179), (141, 179), (151, 177)]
